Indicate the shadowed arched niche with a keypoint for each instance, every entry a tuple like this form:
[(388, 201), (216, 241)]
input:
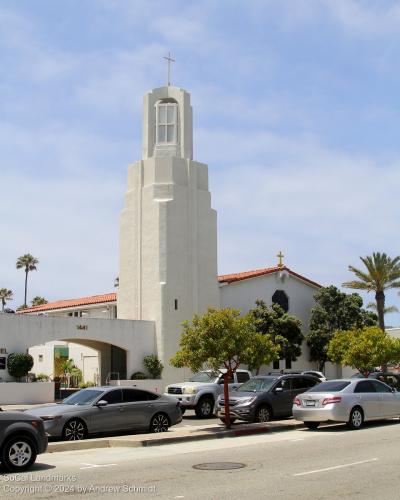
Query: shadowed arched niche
[(279, 297)]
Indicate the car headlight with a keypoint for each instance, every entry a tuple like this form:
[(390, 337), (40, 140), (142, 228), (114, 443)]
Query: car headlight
[(189, 390), (51, 417), (246, 401)]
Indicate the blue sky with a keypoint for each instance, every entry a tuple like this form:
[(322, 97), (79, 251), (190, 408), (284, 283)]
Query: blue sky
[(296, 112)]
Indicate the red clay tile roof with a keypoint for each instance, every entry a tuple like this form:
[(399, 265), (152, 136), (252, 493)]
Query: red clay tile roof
[(65, 304), (231, 278), (112, 297)]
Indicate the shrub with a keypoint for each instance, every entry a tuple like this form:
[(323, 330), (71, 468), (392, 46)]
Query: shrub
[(138, 376), (153, 365), (42, 377), (19, 364), (84, 385), (75, 376)]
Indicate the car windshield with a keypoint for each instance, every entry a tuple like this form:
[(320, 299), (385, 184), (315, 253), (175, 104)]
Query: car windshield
[(257, 384), (330, 386), (204, 377), (85, 397)]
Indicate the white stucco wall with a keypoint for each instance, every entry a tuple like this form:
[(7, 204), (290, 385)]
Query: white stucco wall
[(85, 358), (243, 295), (26, 393), (46, 364), (18, 333), (101, 311), (168, 236), (394, 332)]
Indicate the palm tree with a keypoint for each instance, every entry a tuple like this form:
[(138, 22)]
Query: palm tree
[(4, 296), (38, 301), (28, 262), (387, 310), (381, 273)]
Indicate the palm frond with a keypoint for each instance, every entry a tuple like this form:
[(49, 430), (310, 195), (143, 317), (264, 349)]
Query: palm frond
[(357, 285)]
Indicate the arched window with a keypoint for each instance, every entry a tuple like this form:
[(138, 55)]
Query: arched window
[(281, 299), (167, 122)]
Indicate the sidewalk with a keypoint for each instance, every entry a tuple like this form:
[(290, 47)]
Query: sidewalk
[(174, 435)]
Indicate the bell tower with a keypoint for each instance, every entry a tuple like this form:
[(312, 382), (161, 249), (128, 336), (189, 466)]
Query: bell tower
[(168, 230)]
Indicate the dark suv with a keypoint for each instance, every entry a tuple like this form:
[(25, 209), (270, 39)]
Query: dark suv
[(22, 438), (265, 397)]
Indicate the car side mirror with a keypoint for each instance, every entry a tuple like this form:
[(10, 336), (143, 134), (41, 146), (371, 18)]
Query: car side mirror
[(101, 404), (278, 390), (393, 389)]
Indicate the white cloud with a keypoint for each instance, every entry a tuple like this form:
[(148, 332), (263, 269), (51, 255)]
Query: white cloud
[(366, 18)]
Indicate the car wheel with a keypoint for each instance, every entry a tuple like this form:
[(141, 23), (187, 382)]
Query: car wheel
[(18, 453), (312, 425), (205, 407), (159, 423), (263, 414), (74, 430), (223, 420), (356, 419)]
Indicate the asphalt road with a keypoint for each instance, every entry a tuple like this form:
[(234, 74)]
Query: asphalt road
[(189, 418), (329, 463)]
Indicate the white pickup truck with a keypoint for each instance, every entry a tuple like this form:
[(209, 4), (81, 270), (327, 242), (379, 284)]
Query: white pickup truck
[(203, 389)]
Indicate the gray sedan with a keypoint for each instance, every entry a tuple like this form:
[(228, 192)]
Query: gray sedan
[(353, 401), (109, 409)]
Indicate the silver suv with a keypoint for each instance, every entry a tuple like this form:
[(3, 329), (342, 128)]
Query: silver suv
[(202, 390)]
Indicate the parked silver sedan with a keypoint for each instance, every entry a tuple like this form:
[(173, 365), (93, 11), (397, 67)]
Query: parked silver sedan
[(108, 409), (353, 401)]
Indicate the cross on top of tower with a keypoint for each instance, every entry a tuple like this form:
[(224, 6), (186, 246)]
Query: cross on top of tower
[(169, 61), (280, 257)]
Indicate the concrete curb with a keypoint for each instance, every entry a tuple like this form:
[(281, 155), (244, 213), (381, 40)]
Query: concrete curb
[(169, 437)]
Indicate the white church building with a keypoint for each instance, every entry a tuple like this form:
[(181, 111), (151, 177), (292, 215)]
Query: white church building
[(167, 266)]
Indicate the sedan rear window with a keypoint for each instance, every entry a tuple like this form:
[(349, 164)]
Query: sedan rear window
[(330, 386)]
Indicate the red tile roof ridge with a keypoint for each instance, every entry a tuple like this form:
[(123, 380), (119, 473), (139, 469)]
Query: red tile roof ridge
[(112, 297), (68, 303), (231, 278)]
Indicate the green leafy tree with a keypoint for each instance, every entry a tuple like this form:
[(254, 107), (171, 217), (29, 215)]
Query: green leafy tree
[(71, 373), (19, 365), (5, 296), (67, 366), (363, 348), (75, 376), (38, 301), (27, 262), (221, 338), (153, 365), (334, 310), (284, 329), (381, 273)]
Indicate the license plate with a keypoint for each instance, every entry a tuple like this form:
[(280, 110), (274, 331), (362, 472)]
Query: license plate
[(310, 403)]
